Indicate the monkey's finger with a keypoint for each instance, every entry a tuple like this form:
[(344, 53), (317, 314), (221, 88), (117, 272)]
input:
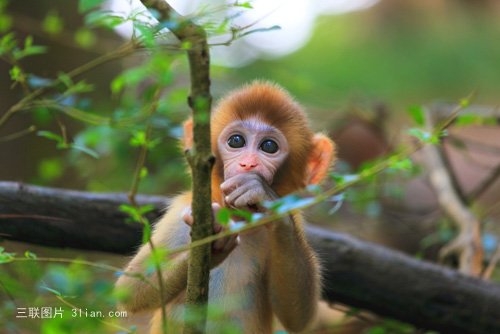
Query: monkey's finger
[(217, 228), (219, 244), (187, 216), (231, 244), (226, 244), (215, 207)]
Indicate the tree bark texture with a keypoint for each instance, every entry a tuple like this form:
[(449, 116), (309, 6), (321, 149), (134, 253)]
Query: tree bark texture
[(194, 38), (355, 273)]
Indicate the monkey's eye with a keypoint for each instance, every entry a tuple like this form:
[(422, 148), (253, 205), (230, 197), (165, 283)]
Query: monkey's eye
[(236, 141), (269, 146)]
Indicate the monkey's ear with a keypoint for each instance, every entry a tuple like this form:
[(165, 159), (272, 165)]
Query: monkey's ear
[(187, 138), (320, 159)]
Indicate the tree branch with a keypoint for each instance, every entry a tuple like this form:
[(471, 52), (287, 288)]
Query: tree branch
[(467, 245), (355, 273), (200, 158)]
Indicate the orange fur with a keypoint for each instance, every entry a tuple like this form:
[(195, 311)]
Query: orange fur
[(273, 271), (276, 107)]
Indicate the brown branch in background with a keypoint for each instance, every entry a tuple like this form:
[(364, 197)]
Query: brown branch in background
[(485, 185), (467, 246), (141, 160), (26, 101), (200, 158), (356, 273), (488, 271)]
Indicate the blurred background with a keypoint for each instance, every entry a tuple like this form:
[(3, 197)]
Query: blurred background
[(339, 58), (357, 66)]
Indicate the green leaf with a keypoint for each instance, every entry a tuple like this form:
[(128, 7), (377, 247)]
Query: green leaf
[(83, 116), (342, 179), (78, 88), (6, 257), (85, 38), (85, 150), (51, 135), (464, 102), (28, 50), (146, 33), (30, 255), (289, 203), (52, 23), (65, 79), (7, 43), (50, 169), (418, 114), (103, 18), (55, 292), (398, 164), (117, 84), (424, 136), (146, 233), (143, 173), (223, 216), (138, 139), (246, 4), (86, 5), (15, 73), (5, 22), (253, 31)]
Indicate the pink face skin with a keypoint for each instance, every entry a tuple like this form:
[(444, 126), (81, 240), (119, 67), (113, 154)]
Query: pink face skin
[(252, 146)]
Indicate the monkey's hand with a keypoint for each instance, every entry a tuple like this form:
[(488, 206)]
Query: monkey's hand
[(221, 247), (247, 191)]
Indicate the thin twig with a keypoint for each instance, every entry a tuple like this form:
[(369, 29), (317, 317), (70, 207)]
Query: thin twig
[(488, 271), (123, 51), (467, 245), (18, 134)]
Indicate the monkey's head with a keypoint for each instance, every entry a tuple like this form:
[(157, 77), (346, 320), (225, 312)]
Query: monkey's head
[(261, 129)]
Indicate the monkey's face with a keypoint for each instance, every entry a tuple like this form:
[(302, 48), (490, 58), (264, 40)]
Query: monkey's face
[(252, 146)]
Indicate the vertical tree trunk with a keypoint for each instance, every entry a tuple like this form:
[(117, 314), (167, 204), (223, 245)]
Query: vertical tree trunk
[(200, 159)]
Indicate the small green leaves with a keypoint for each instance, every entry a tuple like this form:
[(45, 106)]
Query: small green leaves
[(29, 49), (136, 213), (146, 233), (86, 5), (418, 115), (246, 4), (6, 257), (474, 119), (85, 38), (289, 203), (223, 216), (424, 136), (63, 144), (103, 18), (30, 255), (16, 74), (52, 23), (53, 291), (50, 169), (253, 31), (396, 163), (140, 139), (5, 19)]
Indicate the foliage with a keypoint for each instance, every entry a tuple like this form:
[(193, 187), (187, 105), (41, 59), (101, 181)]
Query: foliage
[(141, 119)]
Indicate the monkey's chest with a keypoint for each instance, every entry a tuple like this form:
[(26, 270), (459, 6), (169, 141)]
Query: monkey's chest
[(238, 289)]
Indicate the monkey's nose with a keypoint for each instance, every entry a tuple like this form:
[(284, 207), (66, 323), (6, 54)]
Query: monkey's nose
[(247, 166)]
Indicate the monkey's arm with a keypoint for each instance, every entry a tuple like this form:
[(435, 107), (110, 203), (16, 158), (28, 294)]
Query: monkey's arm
[(293, 268), (294, 274), (170, 232)]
